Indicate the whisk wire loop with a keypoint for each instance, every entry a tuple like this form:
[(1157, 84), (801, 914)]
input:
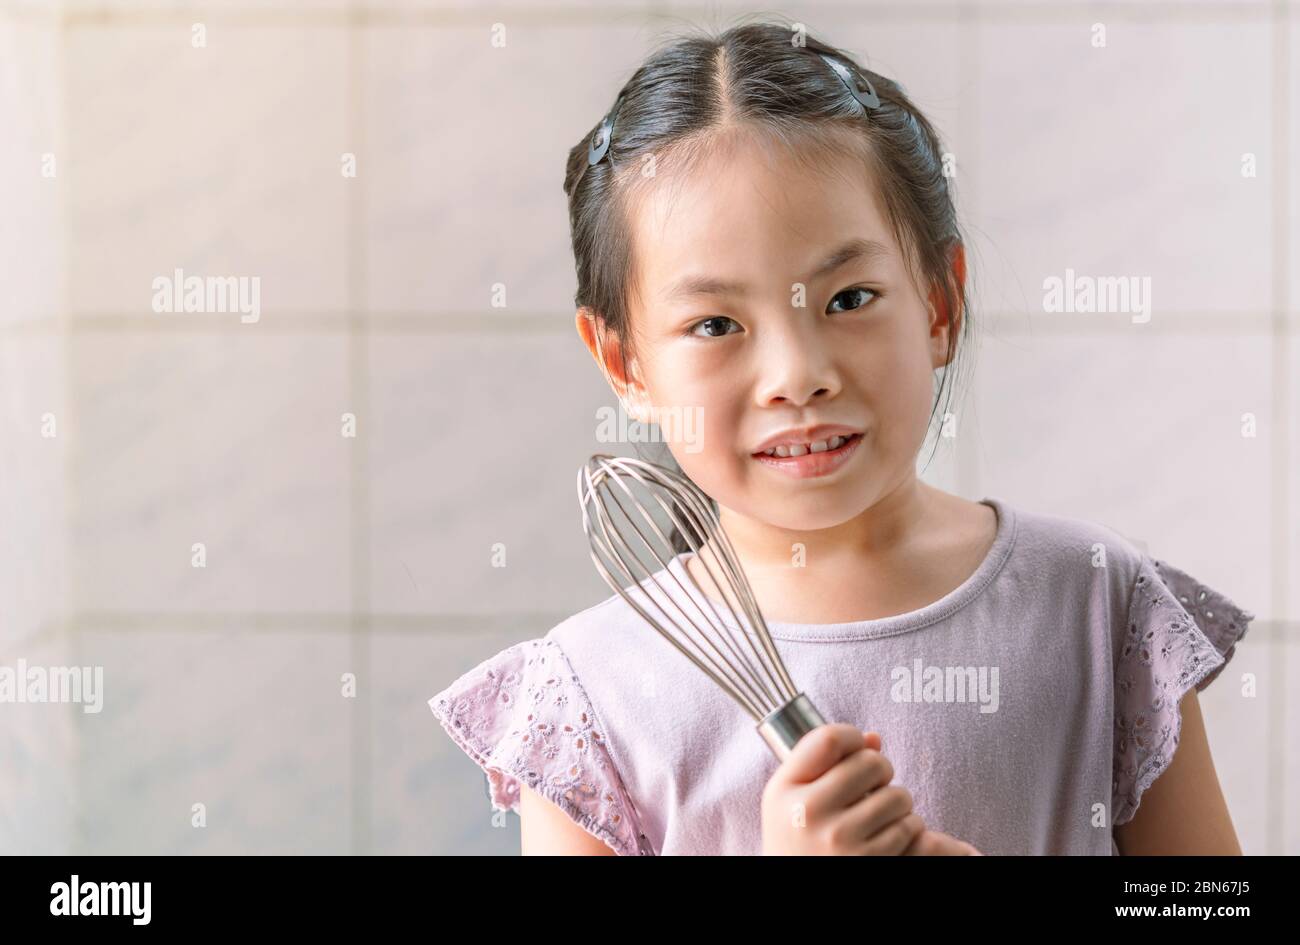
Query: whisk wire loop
[(757, 680)]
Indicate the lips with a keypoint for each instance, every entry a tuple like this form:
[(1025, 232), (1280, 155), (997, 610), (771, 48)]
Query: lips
[(812, 465)]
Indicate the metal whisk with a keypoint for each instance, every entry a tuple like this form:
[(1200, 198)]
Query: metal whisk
[(613, 517)]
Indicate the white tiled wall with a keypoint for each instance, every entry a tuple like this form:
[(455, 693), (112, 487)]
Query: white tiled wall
[(220, 160), (38, 742), (331, 558), (236, 726), (222, 438)]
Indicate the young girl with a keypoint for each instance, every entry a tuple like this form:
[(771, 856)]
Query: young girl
[(764, 232)]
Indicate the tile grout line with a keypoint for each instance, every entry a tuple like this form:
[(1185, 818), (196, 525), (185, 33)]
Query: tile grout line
[(447, 625), (1276, 811), (1026, 324), (68, 630), (370, 16), (360, 508)]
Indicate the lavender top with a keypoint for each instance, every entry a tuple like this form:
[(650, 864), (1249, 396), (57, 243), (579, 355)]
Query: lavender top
[(1026, 711)]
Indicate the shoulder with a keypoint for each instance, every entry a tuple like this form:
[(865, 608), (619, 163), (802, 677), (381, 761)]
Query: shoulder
[(1059, 548), (611, 638), (1145, 583), (588, 621), (1055, 534)]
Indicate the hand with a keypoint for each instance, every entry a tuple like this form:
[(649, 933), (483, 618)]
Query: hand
[(832, 797), (934, 843)]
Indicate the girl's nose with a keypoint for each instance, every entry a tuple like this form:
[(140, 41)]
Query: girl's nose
[(795, 367)]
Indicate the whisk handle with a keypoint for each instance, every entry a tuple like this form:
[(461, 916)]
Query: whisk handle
[(784, 727)]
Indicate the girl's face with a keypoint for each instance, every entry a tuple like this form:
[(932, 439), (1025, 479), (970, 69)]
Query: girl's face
[(810, 318)]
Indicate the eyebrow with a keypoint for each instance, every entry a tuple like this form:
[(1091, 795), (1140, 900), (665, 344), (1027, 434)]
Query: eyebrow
[(855, 249)]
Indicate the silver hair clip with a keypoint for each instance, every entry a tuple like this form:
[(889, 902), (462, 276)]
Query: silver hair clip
[(600, 141), (867, 97)]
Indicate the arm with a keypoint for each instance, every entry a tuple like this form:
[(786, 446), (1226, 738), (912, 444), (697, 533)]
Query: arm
[(1183, 812), (545, 830)]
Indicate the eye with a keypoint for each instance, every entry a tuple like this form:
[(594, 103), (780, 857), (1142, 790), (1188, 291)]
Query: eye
[(856, 291), (716, 321)]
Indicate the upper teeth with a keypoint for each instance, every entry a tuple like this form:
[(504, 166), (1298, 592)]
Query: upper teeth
[(798, 449)]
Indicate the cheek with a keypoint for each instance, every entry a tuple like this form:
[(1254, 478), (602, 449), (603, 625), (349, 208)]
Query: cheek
[(901, 387), (896, 382), (718, 471), (700, 415)]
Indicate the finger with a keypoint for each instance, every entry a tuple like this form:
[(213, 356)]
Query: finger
[(872, 740), (878, 810), (954, 847), (853, 778), (895, 838), (818, 751), (951, 846), (937, 843), (922, 845)]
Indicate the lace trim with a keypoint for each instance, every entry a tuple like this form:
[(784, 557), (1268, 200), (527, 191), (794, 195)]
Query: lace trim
[(1179, 634), (522, 716)]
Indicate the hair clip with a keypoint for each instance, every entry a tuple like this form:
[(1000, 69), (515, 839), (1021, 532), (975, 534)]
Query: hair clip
[(600, 141), (866, 98)]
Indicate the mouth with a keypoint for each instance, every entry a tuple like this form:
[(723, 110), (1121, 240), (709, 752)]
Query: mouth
[(811, 459)]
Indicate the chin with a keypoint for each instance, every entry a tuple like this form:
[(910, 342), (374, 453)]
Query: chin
[(812, 522), (807, 516)]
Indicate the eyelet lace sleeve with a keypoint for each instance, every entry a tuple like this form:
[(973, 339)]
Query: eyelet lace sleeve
[(1179, 634), (523, 716)]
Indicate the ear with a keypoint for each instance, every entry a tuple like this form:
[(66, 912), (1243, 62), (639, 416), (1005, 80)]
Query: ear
[(610, 357), (942, 322)]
